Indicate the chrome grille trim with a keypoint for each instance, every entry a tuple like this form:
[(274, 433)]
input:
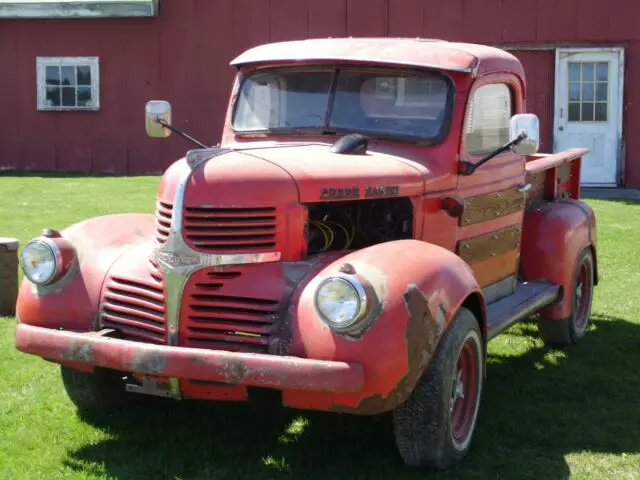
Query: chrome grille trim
[(178, 261)]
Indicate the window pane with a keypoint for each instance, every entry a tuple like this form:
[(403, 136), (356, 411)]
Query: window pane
[(574, 92), (53, 96), (68, 75), (53, 75), (587, 112), (84, 75), (68, 96), (84, 96), (601, 92), (587, 92), (601, 112), (489, 115), (602, 72), (417, 109), (588, 72), (393, 103), (574, 112), (574, 72)]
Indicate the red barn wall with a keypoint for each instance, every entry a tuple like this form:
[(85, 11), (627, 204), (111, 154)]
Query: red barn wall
[(183, 56), (539, 68)]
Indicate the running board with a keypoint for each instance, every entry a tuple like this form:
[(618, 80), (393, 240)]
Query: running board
[(528, 298)]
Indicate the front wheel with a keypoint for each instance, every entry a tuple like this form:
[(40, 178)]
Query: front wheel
[(102, 390), (435, 426)]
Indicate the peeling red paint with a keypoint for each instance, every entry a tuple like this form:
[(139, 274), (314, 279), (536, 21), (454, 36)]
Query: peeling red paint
[(211, 365)]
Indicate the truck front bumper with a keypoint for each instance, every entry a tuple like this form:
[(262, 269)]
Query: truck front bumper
[(285, 373)]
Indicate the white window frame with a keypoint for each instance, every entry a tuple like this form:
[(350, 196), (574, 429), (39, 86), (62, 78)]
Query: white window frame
[(41, 79), (78, 8)]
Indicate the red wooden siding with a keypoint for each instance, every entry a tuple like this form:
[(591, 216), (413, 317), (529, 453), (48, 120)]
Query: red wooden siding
[(183, 56), (540, 71)]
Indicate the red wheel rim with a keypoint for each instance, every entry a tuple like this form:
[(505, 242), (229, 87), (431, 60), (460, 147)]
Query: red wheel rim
[(464, 391), (582, 298)]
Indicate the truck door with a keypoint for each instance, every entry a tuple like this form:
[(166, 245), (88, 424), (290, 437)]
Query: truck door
[(488, 233)]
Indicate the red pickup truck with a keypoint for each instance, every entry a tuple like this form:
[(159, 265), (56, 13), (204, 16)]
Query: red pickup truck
[(375, 214)]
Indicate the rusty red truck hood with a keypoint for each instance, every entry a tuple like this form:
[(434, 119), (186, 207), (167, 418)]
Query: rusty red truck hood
[(280, 175), (321, 174)]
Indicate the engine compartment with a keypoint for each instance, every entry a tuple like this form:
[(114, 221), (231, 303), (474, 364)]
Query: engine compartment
[(353, 225)]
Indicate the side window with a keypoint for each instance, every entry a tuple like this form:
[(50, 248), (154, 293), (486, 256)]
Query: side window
[(68, 83), (488, 120)]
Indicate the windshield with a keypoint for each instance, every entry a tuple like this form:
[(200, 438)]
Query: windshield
[(376, 102)]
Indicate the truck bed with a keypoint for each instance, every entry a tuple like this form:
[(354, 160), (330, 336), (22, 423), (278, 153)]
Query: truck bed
[(551, 177), (554, 176)]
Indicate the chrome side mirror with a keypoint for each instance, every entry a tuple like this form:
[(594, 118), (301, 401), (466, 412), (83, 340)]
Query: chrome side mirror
[(530, 125), (158, 112)]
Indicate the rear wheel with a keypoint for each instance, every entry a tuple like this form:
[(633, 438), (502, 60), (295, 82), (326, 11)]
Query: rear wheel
[(435, 426), (573, 329), (102, 390)]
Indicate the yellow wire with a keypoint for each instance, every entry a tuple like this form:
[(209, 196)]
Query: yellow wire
[(324, 233), (353, 236), (331, 235), (347, 236)]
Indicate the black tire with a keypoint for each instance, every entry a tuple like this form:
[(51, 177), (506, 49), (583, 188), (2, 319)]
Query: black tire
[(572, 330), (103, 390), (429, 434)]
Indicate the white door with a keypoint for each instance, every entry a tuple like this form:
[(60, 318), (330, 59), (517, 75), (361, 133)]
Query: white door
[(588, 110)]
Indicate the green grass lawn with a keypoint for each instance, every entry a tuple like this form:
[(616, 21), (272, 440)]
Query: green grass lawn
[(546, 414)]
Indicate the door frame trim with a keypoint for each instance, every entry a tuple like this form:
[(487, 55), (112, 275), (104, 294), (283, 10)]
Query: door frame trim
[(620, 120)]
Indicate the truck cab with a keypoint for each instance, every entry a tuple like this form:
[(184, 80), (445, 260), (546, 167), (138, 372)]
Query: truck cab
[(375, 213)]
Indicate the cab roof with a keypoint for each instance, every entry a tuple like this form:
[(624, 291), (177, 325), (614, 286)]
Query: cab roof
[(414, 52)]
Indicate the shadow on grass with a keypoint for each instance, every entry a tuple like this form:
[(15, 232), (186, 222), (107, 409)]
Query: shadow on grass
[(537, 408)]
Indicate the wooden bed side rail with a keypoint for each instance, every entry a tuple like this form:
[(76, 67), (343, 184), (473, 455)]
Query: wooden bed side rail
[(554, 176), (545, 161)]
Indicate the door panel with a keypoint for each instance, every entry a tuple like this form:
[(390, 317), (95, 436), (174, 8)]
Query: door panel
[(588, 111), (489, 228)]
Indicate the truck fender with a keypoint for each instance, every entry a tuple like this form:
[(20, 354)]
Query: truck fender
[(72, 302), (553, 237), (419, 288)]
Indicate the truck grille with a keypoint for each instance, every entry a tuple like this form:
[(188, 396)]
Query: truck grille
[(135, 307), (225, 322), (210, 229), (164, 211)]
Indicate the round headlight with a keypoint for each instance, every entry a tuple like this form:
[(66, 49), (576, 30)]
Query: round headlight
[(341, 302), (40, 261)]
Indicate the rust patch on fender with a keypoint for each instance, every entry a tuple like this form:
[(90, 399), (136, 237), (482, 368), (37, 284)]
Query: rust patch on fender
[(80, 352), (148, 362), (422, 336)]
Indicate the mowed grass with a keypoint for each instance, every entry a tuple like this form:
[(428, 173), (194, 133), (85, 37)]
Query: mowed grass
[(545, 414)]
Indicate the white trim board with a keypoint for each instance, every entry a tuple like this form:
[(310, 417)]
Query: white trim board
[(18, 9)]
